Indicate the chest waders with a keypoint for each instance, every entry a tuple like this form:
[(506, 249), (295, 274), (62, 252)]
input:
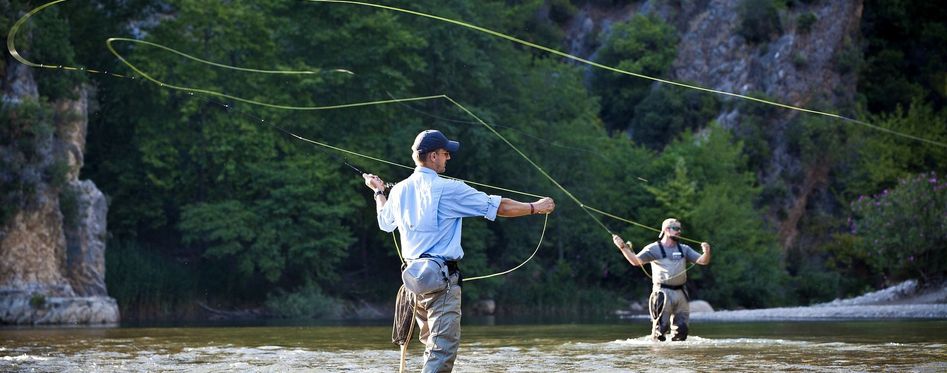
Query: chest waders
[(658, 305)]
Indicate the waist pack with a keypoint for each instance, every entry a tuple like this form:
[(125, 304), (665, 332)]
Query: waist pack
[(425, 275)]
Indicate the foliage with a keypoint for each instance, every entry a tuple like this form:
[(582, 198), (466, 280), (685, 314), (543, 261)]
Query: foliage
[(290, 221), (37, 301), (745, 267), (883, 159), (147, 285), (906, 42), (668, 111), (678, 196), (759, 20), (69, 206), (754, 130), (25, 130), (45, 38), (308, 303), (800, 60), (903, 229), (805, 21), (849, 59), (642, 45)]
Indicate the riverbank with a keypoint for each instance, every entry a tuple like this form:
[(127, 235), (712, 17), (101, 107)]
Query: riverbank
[(902, 301)]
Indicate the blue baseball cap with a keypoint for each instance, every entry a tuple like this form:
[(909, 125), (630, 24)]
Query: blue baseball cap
[(431, 140)]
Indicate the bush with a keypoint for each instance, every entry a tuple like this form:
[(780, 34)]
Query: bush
[(904, 229), (805, 22), (37, 301), (759, 20), (69, 206), (307, 303), (849, 59), (668, 111)]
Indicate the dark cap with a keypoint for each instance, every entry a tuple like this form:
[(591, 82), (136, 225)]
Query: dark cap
[(431, 140)]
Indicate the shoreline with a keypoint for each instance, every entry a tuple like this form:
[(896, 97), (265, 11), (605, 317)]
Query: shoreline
[(904, 301), (865, 312)]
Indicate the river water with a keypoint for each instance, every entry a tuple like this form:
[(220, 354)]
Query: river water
[(828, 346)]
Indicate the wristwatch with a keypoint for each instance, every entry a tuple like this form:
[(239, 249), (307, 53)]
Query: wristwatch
[(379, 193)]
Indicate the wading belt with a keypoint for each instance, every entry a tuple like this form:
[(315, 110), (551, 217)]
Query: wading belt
[(680, 287), (452, 268)]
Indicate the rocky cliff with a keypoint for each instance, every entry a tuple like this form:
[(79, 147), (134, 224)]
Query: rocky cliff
[(52, 238), (799, 66)]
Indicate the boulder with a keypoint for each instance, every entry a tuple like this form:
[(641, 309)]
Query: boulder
[(698, 306)]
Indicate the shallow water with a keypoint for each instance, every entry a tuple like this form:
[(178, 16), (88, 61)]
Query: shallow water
[(772, 346)]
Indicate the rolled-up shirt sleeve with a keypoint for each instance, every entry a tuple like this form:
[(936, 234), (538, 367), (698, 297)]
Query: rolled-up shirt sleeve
[(460, 201), (386, 219)]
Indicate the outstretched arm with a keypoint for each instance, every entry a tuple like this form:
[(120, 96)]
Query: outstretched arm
[(627, 251), (510, 208)]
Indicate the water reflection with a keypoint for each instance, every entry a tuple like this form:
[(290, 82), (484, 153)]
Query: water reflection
[(821, 346)]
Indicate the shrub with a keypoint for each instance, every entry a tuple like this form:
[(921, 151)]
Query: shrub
[(759, 20), (800, 60), (849, 59), (37, 300), (307, 303), (69, 206), (805, 22), (668, 111), (903, 229)]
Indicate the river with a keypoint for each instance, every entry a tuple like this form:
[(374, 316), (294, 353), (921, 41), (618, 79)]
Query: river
[(828, 346)]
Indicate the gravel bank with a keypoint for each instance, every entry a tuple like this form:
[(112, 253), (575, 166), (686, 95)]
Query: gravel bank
[(903, 301)]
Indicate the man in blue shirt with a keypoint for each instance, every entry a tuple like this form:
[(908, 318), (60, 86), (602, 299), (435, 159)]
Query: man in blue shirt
[(427, 211)]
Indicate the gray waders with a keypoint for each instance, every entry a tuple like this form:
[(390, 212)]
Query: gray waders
[(668, 307)]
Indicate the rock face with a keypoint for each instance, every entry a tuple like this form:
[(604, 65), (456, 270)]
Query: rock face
[(799, 67), (52, 248)]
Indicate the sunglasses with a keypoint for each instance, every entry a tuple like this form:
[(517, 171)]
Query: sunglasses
[(676, 229)]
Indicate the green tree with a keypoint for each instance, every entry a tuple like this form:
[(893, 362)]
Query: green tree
[(906, 40), (883, 159), (643, 45), (667, 111), (746, 267)]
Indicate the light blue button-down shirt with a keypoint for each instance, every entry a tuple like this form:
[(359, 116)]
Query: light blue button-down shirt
[(427, 210)]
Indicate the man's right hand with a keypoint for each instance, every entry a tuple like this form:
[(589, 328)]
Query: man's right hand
[(374, 182), (618, 241)]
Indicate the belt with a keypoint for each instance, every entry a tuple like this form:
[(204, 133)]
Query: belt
[(452, 266), (672, 287)]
